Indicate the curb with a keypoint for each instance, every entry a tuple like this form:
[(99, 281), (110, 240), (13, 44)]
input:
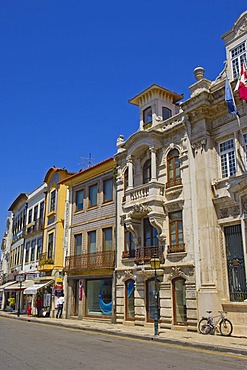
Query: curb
[(146, 337)]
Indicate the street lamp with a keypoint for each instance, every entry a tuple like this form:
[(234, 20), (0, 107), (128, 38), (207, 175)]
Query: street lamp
[(155, 264), (19, 278)]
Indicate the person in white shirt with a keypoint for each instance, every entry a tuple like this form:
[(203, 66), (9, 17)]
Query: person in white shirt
[(60, 303)]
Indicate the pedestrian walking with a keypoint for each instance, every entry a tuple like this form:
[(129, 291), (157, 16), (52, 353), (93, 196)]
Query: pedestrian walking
[(39, 305), (60, 303)]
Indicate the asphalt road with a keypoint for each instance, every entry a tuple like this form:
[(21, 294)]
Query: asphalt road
[(27, 345)]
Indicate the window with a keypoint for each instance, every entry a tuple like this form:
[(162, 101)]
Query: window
[(27, 252), (147, 115), (235, 263), (173, 168), (227, 158), (238, 56), (79, 199), (93, 191), (166, 113), (107, 239), (35, 213), (150, 234), (147, 171), (30, 214), (92, 241), (129, 244), (130, 299), (50, 245), (108, 190), (33, 244), (176, 232), (78, 244), (39, 248), (151, 299), (41, 210), (99, 297), (179, 301), (53, 201)]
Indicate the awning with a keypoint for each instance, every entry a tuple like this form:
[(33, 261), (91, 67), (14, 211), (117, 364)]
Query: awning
[(35, 287), (16, 286), (2, 287)]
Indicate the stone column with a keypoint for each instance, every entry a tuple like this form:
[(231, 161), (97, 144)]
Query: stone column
[(130, 171), (153, 164)]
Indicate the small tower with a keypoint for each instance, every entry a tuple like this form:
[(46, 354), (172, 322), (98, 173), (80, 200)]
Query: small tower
[(156, 104)]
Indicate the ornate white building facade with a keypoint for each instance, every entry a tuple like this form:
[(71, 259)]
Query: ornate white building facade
[(182, 195)]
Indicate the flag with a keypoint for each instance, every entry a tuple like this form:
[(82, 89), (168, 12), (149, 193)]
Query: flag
[(229, 98), (241, 86)]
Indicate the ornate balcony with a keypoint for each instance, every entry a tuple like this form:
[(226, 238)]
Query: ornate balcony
[(90, 261), (144, 254), (153, 191), (45, 263)]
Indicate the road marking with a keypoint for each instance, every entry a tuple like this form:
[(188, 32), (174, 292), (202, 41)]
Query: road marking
[(139, 340)]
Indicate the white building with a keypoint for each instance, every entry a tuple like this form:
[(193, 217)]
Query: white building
[(182, 195)]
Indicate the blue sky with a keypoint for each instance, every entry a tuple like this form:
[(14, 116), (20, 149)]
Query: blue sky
[(69, 67)]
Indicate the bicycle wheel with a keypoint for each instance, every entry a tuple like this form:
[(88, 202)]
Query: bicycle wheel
[(203, 326), (226, 327)]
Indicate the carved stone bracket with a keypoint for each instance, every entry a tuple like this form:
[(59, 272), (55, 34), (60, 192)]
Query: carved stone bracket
[(158, 225)]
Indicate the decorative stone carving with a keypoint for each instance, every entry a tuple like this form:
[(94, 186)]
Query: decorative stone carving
[(178, 272), (242, 28), (199, 146), (128, 275), (174, 206), (229, 211), (244, 204), (140, 209)]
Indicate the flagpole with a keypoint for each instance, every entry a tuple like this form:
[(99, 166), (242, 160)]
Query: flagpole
[(235, 111), (242, 140)]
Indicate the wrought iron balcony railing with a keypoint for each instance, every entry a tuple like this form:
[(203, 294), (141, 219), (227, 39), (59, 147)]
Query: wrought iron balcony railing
[(87, 261), (45, 260), (144, 254), (34, 227), (176, 248)]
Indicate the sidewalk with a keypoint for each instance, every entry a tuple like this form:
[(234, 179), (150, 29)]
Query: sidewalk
[(232, 344)]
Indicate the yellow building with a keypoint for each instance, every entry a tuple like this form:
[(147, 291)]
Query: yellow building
[(52, 257)]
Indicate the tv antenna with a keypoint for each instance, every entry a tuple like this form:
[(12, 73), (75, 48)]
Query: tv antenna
[(86, 162)]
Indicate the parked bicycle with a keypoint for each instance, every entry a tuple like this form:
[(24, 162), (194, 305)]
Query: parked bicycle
[(207, 324)]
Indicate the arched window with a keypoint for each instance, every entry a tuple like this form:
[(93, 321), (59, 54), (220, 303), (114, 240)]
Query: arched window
[(130, 299), (147, 171), (179, 301), (173, 169)]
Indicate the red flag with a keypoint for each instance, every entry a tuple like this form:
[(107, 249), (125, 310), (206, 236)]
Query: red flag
[(241, 86)]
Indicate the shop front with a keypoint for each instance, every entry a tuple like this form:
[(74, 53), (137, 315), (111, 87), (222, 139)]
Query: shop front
[(39, 298), (89, 297), (99, 297)]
